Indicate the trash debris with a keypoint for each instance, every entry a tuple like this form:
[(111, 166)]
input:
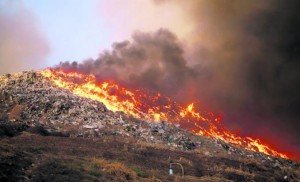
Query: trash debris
[(32, 101)]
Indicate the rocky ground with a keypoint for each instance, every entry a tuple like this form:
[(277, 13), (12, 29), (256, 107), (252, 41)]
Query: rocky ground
[(49, 134)]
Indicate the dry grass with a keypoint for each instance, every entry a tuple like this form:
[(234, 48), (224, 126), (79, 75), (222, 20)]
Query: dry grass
[(117, 169), (145, 145), (15, 113), (238, 171), (204, 179)]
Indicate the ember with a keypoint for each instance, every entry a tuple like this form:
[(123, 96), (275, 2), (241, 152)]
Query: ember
[(153, 107)]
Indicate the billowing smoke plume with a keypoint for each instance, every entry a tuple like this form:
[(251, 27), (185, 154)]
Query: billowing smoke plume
[(152, 60), (251, 51), (241, 58), (22, 45)]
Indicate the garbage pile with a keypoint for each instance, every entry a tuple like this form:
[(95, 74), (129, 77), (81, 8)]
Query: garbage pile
[(30, 99), (29, 102)]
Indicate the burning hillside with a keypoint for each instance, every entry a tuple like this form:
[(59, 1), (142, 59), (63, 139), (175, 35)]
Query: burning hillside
[(53, 127), (151, 106)]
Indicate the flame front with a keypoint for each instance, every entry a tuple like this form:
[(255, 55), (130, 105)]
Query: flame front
[(153, 107)]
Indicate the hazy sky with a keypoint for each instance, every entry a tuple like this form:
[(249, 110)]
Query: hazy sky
[(77, 29), (74, 29)]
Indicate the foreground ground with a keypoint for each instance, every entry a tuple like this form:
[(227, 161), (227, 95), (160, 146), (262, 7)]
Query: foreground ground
[(33, 157)]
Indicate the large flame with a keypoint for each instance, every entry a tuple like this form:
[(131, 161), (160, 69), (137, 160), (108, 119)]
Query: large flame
[(153, 107)]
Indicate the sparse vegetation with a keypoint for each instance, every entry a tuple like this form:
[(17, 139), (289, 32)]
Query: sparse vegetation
[(39, 157), (141, 173)]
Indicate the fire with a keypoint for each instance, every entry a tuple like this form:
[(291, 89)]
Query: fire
[(153, 107)]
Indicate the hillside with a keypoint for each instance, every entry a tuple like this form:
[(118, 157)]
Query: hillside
[(49, 134)]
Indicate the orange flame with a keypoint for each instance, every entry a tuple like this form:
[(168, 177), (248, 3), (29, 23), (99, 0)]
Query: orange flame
[(153, 107)]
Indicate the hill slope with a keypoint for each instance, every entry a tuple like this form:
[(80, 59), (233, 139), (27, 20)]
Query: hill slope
[(50, 134)]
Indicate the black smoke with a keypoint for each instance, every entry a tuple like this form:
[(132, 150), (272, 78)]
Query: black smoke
[(245, 64), (153, 61)]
